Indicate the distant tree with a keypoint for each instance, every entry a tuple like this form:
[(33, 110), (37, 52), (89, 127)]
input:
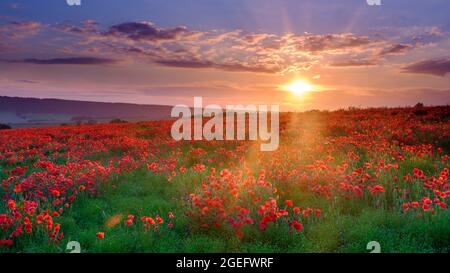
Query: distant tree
[(117, 121), (4, 126), (418, 105)]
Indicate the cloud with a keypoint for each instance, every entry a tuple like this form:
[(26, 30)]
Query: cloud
[(396, 49), (185, 63), (262, 52), (208, 64), (353, 63), (27, 81), (228, 50), (141, 31), (435, 67), (19, 30), (24, 25), (336, 41), (67, 61), (13, 33), (87, 27), (234, 50)]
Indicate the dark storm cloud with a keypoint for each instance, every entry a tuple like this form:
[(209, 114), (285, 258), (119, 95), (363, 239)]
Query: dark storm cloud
[(435, 67)]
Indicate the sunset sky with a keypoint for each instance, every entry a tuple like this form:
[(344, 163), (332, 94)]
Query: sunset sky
[(228, 51)]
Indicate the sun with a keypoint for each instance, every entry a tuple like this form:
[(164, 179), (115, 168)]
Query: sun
[(299, 87)]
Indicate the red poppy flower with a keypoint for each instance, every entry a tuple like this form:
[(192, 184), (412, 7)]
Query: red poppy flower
[(298, 226), (405, 206), (17, 188), (318, 213), (6, 242), (150, 221), (205, 210)]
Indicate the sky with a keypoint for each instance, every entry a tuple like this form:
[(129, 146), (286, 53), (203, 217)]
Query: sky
[(166, 52)]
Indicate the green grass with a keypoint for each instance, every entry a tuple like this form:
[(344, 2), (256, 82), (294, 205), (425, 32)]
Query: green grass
[(143, 193)]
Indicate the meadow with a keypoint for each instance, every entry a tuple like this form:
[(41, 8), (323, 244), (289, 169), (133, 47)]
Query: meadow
[(338, 180)]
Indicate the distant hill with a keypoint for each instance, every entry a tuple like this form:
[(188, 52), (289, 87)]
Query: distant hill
[(27, 112)]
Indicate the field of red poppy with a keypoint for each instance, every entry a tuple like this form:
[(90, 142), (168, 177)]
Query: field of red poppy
[(338, 181)]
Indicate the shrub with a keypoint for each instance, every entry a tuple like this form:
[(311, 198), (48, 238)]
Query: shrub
[(418, 105), (117, 121), (4, 126)]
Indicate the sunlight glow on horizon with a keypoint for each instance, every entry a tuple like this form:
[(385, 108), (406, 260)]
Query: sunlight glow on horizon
[(299, 87)]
